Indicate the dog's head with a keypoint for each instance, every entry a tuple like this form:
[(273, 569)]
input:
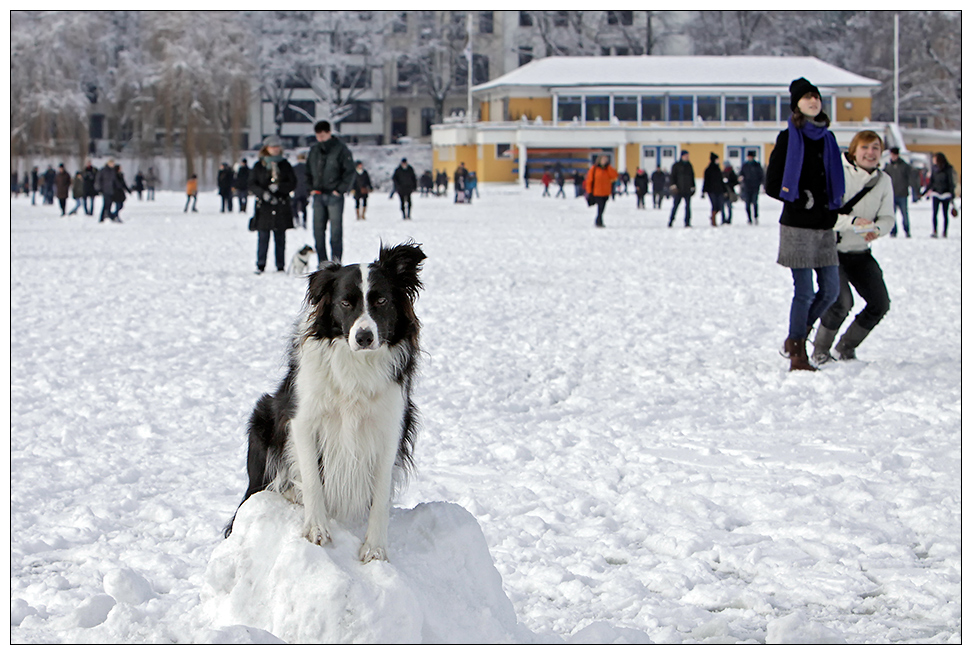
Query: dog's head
[(306, 250), (369, 305)]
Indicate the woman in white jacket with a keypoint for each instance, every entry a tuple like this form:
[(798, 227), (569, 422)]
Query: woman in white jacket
[(870, 217)]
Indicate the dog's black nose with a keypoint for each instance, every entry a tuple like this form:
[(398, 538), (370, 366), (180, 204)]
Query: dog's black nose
[(364, 338)]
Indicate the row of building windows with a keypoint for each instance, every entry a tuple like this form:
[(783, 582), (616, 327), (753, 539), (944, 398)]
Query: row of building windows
[(673, 108)]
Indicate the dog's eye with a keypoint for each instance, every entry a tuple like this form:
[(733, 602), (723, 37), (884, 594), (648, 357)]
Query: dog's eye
[(346, 304), (380, 300)]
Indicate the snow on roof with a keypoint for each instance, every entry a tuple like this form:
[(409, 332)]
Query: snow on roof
[(648, 70)]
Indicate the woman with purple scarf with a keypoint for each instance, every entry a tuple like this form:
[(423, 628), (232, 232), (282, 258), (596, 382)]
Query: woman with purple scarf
[(806, 173)]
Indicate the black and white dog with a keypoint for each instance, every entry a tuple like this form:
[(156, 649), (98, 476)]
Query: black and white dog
[(300, 262), (342, 424)]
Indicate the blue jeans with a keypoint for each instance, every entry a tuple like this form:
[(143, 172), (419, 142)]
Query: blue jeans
[(328, 208), (807, 305), (901, 204), (751, 198), (279, 246), (688, 210)]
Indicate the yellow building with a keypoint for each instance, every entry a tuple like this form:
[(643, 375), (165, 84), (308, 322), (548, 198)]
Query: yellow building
[(643, 111)]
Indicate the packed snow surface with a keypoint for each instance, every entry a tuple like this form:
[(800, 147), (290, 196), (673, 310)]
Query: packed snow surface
[(612, 449)]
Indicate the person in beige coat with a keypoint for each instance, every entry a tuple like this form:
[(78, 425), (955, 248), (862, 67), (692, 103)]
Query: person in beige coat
[(870, 217)]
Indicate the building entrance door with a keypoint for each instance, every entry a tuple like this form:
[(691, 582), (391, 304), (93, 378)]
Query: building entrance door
[(736, 155)]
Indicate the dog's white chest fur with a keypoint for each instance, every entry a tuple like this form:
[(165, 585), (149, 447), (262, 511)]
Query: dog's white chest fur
[(351, 408)]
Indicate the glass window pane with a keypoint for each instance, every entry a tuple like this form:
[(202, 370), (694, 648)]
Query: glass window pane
[(568, 108), (626, 108), (710, 108), (652, 108), (680, 108), (764, 108), (597, 108), (737, 108)]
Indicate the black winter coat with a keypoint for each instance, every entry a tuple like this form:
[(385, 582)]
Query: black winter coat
[(658, 181), (813, 180), (404, 180), (941, 180), (89, 181), (330, 167), (121, 188), (242, 180), (752, 174), (362, 184), (712, 180), (641, 183), (300, 172), (273, 207), (224, 181), (683, 178)]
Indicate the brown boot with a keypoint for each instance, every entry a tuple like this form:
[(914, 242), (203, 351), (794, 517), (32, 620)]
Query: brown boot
[(714, 224), (796, 350)]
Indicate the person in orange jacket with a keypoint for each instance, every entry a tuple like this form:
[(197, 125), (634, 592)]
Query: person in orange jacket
[(192, 189), (598, 183)]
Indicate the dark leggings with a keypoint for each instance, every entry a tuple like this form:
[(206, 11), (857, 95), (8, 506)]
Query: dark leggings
[(943, 203)]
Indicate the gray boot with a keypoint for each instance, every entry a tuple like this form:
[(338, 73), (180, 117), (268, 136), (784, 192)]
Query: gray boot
[(851, 339), (822, 342)]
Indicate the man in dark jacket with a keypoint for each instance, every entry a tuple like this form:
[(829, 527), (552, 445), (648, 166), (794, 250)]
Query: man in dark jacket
[(405, 184), (330, 174), (242, 184), (89, 175), (105, 182), (901, 176), (224, 182), (751, 177), (683, 187)]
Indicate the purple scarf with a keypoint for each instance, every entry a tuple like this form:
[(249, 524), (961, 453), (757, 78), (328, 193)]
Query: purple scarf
[(833, 169)]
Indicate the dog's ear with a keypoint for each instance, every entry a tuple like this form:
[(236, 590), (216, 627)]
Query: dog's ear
[(320, 284), (403, 263)]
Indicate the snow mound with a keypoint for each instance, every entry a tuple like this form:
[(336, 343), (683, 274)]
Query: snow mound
[(796, 628), (440, 584)]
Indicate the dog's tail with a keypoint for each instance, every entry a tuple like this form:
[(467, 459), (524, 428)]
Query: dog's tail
[(260, 433)]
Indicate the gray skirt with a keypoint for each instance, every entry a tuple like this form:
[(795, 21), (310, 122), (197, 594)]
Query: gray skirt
[(804, 248)]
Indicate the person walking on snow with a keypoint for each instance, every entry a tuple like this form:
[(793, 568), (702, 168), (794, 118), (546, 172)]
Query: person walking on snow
[(641, 187), (713, 186), (330, 174), (941, 186), (659, 182), (806, 173), (752, 179), (271, 181), (598, 184), (683, 187), (862, 219), (901, 175), (405, 184), (362, 187)]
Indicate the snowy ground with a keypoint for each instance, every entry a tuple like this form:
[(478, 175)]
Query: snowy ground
[(609, 405)]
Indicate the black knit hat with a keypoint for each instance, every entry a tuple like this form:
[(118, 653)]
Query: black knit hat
[(800, 88)]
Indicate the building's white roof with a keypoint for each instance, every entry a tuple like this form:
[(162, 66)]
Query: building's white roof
[(648, 70)]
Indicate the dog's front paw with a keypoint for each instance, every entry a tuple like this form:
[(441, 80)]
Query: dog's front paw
[(369, 552), (316, 534)]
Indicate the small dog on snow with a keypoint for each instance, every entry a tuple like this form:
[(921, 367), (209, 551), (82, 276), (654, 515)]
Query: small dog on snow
[(300, 262), (342, 422)]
